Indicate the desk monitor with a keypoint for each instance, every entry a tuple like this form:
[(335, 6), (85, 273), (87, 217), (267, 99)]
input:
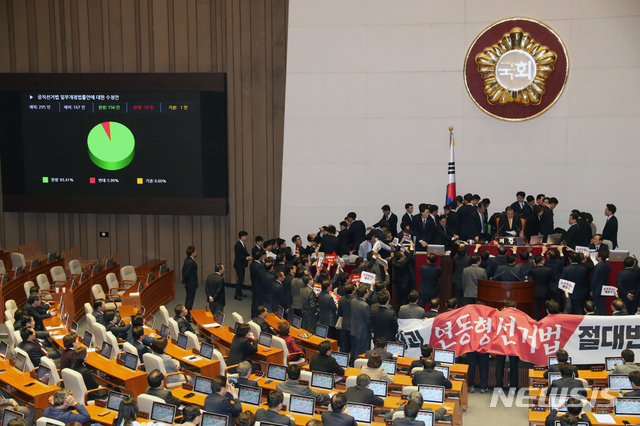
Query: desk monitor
[(618, 255), (210, 419), (249, 395), (163, 413), (396, 348), (131, 361), (322, 331), (297, 322), (235, 327), (302, 405), (206, 350), (87, 339), (84, 276), (95, 270), (140, 285), (426, 416), (65, 318), (619, 382), (379, 388), (52, 256), (74, 327), (559, 401), (19, 271), (552, 360), (277, 372), (44, 374), (554, 239), (432, 393), (3, 349), (362, 413), (149, 277), (33, 264), (203, 385), (322, 380), (536, 240), (280, 312), (150, 322), (553, 376), (444, 369), (182, 341), (142, 310), (110, 262), (265, 339), (74, 284), (436, 249), (625, 406), (163, 269), (389, 366), (106, 349), (164, 331), (20, 363), (10, 415), (115, 398), (611, 362), (444, 356), (5, 279), (342, 358), (220, 318)]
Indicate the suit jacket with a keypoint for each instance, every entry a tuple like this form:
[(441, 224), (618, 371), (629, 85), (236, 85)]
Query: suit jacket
[(99, 316), (411, 310), (556, 265), (504, 228), (625, 368), (142, 349), (331, 244), (219, 404), (604, 247), (264, 326), (37, 316), (309, 302), (406, 421), (599, 277), (543, 278), (430, 279), (214, 287), (325, 363), (459, 263), (255, 270), (524, 268), (358, 233), (337, 419), (453, 222), (573, 236), (240, 250), (402, 272), (494, 263), (633, 393), (628, 283), (90, 382), (243, 381), (420, 229), (266, 283), (241, 348), (470, 276), (578, 275), (183, 324), (328, 314), (566, 385), (506, 273), (344, 310), (67, 417), (165, 395), (610, 231), (190, 273), (431, 377), (546, 222), (393, 223), (119, 332), (34, 350), (431, 313), (270, 416), (294, 388), (525, 210), (464, 214), (363, 395), (472, 226), (379, 351), (360, 318), (384, 322), (443, 236)]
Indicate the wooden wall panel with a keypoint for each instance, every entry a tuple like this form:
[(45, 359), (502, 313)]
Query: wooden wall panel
[(244, 38)]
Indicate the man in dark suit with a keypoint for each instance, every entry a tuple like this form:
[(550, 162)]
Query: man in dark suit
[(408, 216), (272, 414), (360, 322), (507, 272), (391, 218), (384, 319), (98, 311), (31, 346), (411, 410), (464, 213), (610, 230), (181, 318), (562, 356), (520, 206), (380, 347), (360, 393), (323, 361), (31, 307), (292, 386), (223, 400), (155, 379), (214, 289), (600, 277), (357, 230), (421, 226), (411, 309), (432, 220), (577, 274), (460, 261), (190, 277), (330, 243), (495, 262), (573, 235), (256, 268), (344, 312), (430, 273), (327, 309), (597, 245), (444, 234), (240, 262), (509, 224), (244, 372), (543, 277), (453, 222), (261, 321), (278, 292), (403, 273), (138, 336), (430, 376), (476, 224), (567, 385), (628, 284), (634, 378), (337, 415), (434, 308)]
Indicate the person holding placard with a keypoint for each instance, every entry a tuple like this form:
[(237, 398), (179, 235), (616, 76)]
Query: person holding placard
[(577, 275)]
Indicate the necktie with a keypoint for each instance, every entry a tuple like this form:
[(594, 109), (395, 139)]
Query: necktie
[(424, 223), (482, 222), (510, 223), (445, 229)]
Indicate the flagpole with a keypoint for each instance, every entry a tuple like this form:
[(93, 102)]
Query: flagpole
[(451, 170)]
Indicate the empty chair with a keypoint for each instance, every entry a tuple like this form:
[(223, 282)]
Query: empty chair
[(164, 316), (116, 290), (17, 260), (88, 309), (351, 381), (99, 335), (11, 333), (28, 366), (66, 257), (58, 276), (128, 275), (98, 293), (28, 285), (174, 330), (236, 317), (408, 389), (74, 381), (91, 321), (75, 268), (279, 343), (116, 258), (153, 362), (360, 362), (86, 264), (10, 305), (36, 251), (26, 252), (145, 402), (218, 355), (8, 316), (48, 362), (3, 269), (44, 421), (305, 375)]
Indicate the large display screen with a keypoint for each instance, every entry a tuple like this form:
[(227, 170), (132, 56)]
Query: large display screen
[(114, 143)]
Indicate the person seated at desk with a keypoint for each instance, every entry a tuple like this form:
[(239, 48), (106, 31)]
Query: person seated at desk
[(98, 311), (411, 409), (244, 371), (243, 345), (41, 337), (31, 346), (118, 328), (137, 320), (284, 328), (561, 356), (138, 341), (292, 386), (362, 394), (78, 359), (191, 415), (33, 303), (69, 342), (183, 324), (62, 401), (260, 320), (629, 363), (426, 350), (430, 376), (224, 399), (634, 378), (417, 397), (127, 413), (247, 418), (567, 385), (572, 417), (155, 380), (337, 415), (170, 365), (10, 403), (323, 361), (380, 347), (272, 415), (374, 370)]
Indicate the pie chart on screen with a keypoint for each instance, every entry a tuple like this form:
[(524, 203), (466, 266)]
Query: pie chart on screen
[(111, 145)]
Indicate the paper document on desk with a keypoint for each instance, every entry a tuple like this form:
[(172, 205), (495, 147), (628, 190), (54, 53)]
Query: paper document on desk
[(604, 418), (55, 327), (213, 324), (59, 336), (192, 358), (91, 349)]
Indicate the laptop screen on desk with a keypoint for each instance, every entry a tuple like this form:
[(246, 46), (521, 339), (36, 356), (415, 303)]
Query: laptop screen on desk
[(113, 403), (342, 358), (220, 318), (277, 372), (210, 419), (552, 377), (428, 417), (322, 380), (182, 341), (379, 388), (626, 406), (86, 340), (444, 369), (611, 362), (164, 331), (302, 405), (206, 350), (444, 356), (202, 385), (10, 415), (150, 322), (249, 395), (265, 339), (389, 366), (163, 413), (131, 361), (619, 382), (432, 393), (297, 322), (322, 331), (280, 312), (362, 413), (559, 401), (554, 360), (20, 362), (3, 350), (396, 347), (44, 374), (106, 350)]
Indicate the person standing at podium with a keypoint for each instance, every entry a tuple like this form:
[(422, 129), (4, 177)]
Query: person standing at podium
[(509, 225), (508, 272), (470, 276)]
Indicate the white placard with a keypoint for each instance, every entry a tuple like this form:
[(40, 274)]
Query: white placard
[(608, 290), (582, 249), (367, 277), (395, 241), (376, 246), (566, 285)]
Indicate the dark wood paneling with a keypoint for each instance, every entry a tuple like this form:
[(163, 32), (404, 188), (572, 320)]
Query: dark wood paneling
[(244, 38)]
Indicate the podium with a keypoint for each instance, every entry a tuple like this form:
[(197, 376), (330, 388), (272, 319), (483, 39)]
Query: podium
[(494, 293)]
